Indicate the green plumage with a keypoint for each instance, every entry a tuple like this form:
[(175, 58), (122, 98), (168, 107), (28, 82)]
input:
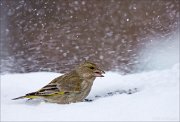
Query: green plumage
[(71, 87)]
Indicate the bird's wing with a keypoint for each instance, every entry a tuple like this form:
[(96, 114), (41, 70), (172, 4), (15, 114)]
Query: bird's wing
[(61, 85), (71, 84)]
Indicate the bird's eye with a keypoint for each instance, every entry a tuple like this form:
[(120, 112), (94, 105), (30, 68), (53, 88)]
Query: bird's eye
[(91, 67)]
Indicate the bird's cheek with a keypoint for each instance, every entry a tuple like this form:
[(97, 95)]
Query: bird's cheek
[(86, 75)]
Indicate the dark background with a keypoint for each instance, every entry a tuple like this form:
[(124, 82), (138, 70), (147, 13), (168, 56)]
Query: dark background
[(56, 35)]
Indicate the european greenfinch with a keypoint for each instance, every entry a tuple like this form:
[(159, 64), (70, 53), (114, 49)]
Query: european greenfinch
[(71, 87)]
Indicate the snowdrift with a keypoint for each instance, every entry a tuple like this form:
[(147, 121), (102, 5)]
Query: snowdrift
[(156, 98)]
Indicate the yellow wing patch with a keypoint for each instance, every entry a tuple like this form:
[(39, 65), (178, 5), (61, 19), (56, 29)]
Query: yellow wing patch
[(39, 95)]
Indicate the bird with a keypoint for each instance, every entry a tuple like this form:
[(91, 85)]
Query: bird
[(71, 87)]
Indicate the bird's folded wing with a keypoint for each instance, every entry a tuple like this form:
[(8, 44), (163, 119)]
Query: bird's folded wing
[(49, 89), (62, 86), (71, 84)]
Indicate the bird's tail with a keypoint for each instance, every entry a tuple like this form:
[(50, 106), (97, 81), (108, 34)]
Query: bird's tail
[(30, 96), (21, 97)]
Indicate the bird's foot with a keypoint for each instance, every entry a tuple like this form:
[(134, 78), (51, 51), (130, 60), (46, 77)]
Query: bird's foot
[(88, 100)]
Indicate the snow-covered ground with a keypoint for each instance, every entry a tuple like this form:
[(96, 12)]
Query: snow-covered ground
[(157, 98)]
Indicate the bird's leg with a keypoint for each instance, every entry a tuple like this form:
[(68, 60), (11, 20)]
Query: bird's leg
[(88, 100), (29, 99)]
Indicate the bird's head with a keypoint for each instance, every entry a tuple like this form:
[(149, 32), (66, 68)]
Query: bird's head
[(89, 69)]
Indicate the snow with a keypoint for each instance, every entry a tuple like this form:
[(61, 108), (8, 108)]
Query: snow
[(43, 32), (156, 99)]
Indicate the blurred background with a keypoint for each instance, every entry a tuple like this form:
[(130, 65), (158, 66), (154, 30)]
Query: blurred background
[(120, 35)]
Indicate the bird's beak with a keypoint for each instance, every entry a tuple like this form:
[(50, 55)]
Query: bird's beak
[(98, 73)]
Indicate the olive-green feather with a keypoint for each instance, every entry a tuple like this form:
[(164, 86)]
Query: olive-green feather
[(38, 96)]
